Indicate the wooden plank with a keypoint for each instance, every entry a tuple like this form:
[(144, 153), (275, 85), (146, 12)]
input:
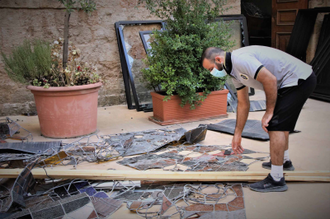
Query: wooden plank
[(311, 176)]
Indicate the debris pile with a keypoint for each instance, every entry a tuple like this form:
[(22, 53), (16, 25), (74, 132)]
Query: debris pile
[(100, 199), (170, 150)]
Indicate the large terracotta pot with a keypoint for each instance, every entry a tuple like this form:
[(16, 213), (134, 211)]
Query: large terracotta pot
[(66, 112), (170, 112)]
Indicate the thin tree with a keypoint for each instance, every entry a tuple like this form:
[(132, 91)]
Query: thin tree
[(70, 5)]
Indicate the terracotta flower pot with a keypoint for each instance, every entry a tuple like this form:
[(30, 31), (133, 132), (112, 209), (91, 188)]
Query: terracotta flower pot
[(170, 112), (66, 112)]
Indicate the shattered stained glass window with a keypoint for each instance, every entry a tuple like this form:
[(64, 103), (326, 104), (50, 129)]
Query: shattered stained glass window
[(142, 142), (174, 150), (77, 206), (109, 147), (24, 183), (195, 158), (43, 148), (214, 201), (81, 199), (188, 201), (74, 199), (11, 129), (55, 159)]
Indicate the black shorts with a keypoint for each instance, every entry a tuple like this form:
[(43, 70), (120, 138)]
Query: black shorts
[(289, 103)]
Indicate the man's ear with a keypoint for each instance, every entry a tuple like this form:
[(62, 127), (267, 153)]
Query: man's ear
[(219, 59)]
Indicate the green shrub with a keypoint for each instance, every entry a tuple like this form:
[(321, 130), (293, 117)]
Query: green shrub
[(175, 61), (28, 61)]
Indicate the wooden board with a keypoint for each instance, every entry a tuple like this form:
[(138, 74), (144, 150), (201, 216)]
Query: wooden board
[(310, 176)]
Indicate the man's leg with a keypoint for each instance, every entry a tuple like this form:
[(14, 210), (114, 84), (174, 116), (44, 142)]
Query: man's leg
[(278, 144), (274, 182), (288, 106), (287, 164)]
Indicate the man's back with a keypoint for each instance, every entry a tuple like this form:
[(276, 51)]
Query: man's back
[(247, 62)]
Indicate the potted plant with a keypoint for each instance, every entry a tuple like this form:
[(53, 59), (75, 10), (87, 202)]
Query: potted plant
[(66, 98), (174, 61), (65, 90)]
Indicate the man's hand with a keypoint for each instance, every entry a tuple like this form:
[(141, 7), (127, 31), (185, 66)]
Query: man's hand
[(236, 144), (269, 82), (265, 121)]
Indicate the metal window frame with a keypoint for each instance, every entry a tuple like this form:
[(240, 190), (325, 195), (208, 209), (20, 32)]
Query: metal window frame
[(126, 71), (301, 33), (145, 44), (244, 27)]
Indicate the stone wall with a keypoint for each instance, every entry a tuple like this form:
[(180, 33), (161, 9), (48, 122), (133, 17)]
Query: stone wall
[(93, 34)]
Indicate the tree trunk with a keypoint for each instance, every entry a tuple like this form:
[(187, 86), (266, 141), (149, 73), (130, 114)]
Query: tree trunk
[(66, 39)]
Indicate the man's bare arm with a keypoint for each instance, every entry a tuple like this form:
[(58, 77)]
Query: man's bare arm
[(243, 108), (269, 83)]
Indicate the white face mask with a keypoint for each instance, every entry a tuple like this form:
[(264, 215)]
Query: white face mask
[(219, 74)]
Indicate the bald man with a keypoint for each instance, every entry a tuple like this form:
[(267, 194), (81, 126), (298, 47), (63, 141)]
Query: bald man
[(287, 83)]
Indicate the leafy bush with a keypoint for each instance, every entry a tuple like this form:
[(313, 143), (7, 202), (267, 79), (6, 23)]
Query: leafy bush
[(28, 61), (39, 63), (175, 61)]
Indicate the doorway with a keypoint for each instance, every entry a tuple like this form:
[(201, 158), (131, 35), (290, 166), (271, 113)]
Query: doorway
[(258, 14)]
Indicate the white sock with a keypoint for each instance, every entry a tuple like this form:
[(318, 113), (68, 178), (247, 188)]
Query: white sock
[(286, 156), (276, 172)]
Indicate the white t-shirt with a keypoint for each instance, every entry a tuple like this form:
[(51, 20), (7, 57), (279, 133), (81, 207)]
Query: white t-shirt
[(247, 61)]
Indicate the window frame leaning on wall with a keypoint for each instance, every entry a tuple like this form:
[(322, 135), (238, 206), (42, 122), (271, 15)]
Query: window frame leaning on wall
[(126, 68), (145, 44)]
